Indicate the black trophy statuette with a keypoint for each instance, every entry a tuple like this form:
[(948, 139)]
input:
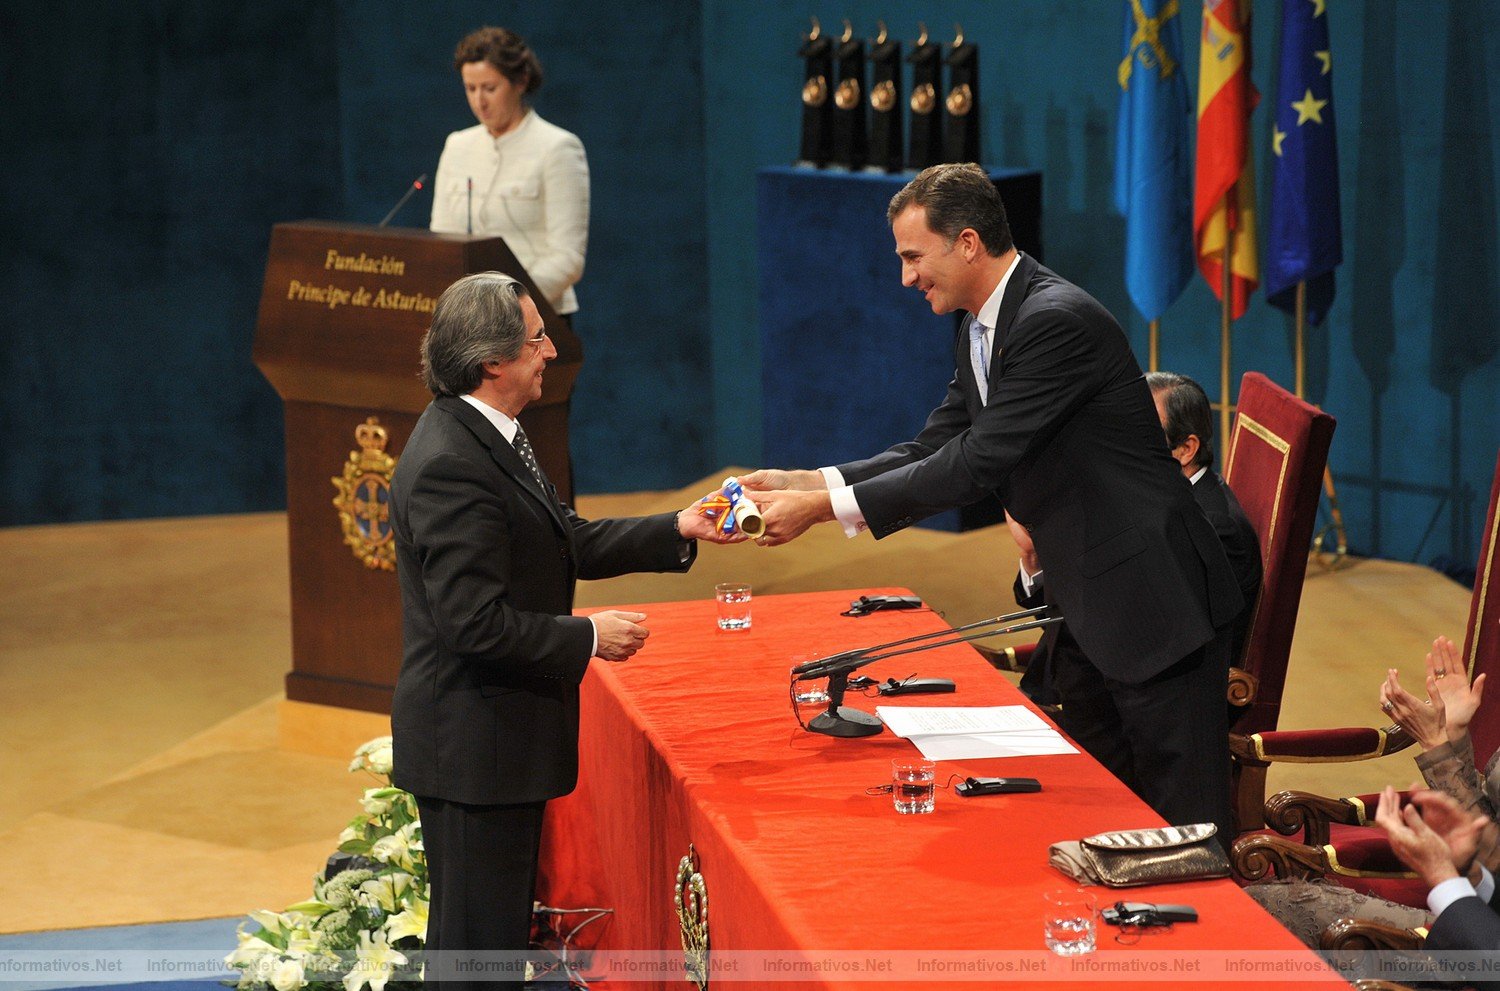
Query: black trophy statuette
[(885, 103), (817, 112), (849, 142), (926, 146), (961, 125)]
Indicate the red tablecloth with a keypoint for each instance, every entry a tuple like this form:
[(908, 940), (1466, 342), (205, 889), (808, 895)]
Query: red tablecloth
[(693, 741)]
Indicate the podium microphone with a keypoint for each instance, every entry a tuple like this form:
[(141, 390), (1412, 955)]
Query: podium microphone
[(819, 666), (841, 720), (416, 184)]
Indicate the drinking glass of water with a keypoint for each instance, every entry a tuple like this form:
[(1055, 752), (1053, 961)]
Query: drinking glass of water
[(913, 785), (734, 605), (1068, 925)]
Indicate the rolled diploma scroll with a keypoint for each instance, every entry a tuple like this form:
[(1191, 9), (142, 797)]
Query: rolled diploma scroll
[(747, 517), (732, 510)]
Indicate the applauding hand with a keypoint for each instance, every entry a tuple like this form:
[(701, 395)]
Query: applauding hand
[(1448, 685)]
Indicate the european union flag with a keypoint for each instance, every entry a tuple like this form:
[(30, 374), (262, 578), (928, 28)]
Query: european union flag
[(1153, 162), (1304, 243)]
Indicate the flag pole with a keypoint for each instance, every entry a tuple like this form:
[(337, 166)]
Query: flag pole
[(1224, 311), (1330, 560), (1301, 324), (1154, 348)]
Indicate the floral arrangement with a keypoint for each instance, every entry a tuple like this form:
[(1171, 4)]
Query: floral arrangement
[(366, 925)]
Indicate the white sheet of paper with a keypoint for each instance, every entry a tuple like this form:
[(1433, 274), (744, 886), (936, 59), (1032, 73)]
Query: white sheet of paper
[(912, 720), (971, 732), (962, 746)]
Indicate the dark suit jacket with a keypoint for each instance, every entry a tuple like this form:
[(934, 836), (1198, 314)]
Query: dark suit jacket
[(1469, 924), (486, 705), (1071, 444), (1241, 547)]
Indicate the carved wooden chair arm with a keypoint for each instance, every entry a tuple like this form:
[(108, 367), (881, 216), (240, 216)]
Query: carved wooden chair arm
[(1261, 856), (1363, 934), (1242, 687), (1288, 812)]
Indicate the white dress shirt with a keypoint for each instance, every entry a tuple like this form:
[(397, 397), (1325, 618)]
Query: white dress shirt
[(531, 187), (845, 507)]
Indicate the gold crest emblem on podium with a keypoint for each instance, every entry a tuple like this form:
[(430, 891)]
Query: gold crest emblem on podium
[(364, 499), (691, 901), (815, 91), (883, 96), (961, 100)]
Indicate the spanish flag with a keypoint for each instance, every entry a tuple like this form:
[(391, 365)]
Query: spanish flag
[(1224, 187)]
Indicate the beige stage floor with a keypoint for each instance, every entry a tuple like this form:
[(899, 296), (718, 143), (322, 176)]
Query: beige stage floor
[(148, 776)]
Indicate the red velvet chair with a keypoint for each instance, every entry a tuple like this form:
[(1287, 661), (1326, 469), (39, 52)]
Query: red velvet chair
[(1274, 463), (1338, 840)]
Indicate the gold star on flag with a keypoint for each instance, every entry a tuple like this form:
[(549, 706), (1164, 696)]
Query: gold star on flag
[(1320, 7), (1309, 109), (1277, 136), (1327, 59)]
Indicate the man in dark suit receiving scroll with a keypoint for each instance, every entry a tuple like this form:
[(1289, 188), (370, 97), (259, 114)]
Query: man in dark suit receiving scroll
[(1048, 410), (485, 715)]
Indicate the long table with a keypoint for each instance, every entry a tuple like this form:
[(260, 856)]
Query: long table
[(808, 878)]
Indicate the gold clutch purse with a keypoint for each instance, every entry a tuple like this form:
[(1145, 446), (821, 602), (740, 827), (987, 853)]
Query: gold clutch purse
[(1132, 857)]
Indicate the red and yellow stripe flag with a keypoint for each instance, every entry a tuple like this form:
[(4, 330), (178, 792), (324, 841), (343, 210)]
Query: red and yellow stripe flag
[(1224, 189)]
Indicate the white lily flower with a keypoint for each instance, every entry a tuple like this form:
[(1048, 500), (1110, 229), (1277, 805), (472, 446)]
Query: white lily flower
[(384, 893), (250, 950), (390, 850), (380, 759), (381, 744), (377, 801), (376, 960), (272, 922), (412, 922), (288, 976)]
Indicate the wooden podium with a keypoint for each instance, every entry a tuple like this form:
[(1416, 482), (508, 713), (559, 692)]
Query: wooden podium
[(342, 314)]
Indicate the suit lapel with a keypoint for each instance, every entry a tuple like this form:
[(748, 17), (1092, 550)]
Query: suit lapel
[(505, 456), (1016, 292)]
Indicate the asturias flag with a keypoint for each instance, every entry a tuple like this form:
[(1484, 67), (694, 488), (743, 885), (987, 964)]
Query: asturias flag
[(1153, 167), (1224, 191), (1304, 242)]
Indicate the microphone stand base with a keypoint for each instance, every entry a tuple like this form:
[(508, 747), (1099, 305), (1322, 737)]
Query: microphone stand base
[(847, 722)]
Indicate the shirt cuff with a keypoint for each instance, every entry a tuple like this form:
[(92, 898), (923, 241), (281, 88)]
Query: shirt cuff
[(846, 510), (1485, 889), (594, 646), (845, 507), (1028, 582), (1450, 891)]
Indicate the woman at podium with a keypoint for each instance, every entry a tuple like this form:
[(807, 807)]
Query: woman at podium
[(513, 175)]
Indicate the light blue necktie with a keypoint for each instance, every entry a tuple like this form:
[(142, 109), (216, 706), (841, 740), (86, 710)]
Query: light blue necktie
[(979, 357)]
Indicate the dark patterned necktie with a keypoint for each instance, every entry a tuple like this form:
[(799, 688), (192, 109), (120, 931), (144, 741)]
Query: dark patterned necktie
[(523, 448)]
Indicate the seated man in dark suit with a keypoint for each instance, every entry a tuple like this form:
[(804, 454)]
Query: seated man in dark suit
[(485, 715), (1187, 419), (1437, 839)]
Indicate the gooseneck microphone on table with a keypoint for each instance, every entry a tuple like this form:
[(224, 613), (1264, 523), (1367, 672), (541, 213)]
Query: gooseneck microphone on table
[(416, 184), (839, 720)]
